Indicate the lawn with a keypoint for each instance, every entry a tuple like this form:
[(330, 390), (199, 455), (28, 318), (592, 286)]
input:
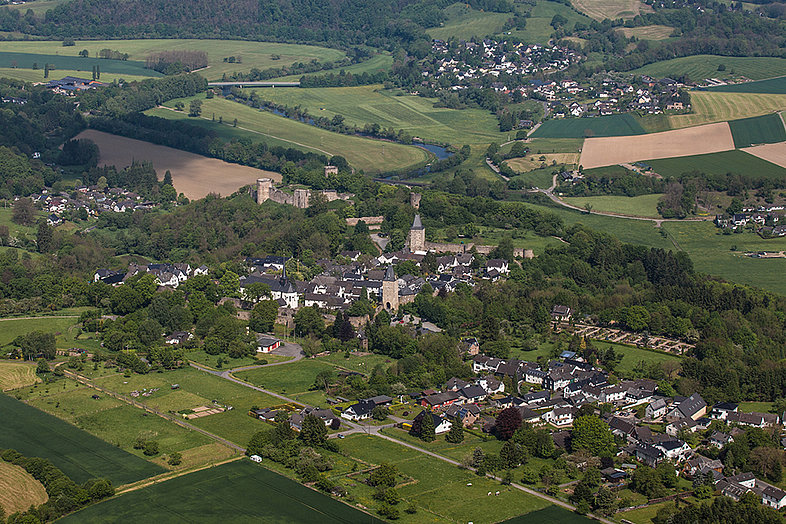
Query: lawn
[(239, 491), (539, 30), (612, 125), (737, 162), (463, 22), (765, 129), (10, 328), (699, 67), (631, 356), (373, 104), (14, 229), (289, 379), (15, 374), (759, 407), (80, 455), (643, 205), (211, 361), (257, 55), (542, 178), (490, 236), (362, 153), (772, 86), (714, 106)]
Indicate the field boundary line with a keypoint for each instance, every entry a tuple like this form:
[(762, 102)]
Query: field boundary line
[(169, 475)]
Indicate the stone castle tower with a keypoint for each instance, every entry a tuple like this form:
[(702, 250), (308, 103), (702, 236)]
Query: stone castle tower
[(390, 291), (263, 189), (417, 236), (414, 200)]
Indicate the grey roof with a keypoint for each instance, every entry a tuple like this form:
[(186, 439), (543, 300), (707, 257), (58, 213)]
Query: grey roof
[(389, 274), (417, 224), (692, 405)]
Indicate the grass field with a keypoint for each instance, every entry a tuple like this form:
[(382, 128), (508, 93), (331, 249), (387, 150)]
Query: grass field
[(292, 379), (463, 22), (530, 163), (613, 125), (15, 374), (26, 59), (648, 32), (10, 328), (555, 145), (611, 9), (18, 489), (542, 178), (713, 106), (760, 407), (80, 455), (253, 54), (372, 104), (632, 356), (239, 491), (37, 6), (765, 129), (738, 162), (539, 30), (772, 86), (30, 75), (643, 205), (14, 229), (372, 156), (699, 67), (375, 64)]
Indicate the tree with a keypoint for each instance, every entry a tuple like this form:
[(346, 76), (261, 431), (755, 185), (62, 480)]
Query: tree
[(308, 321), (384, 476), (150, 448), (427, 433), (23, 213), (282, 431), (195, 108), (508, 421), (256, 291), (648, 482), (44, 237), (510, 454), (591, 433), (42, 367), (380, 413), (313, 431), (456, 433), (263, 316), (174, 459)]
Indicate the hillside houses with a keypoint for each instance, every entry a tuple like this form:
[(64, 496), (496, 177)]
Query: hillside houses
[(167, 275), (88, 202)]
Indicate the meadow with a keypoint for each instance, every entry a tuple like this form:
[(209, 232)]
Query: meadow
[(35, 76), (18, 489), (538, 29), (611, 9), (372, 104), (79, 454), (699, 67), (648, 32), (37, 6), (15, 374), (737, 162), (631, 356), (542, 178), (375, 64), (554, 145), (603, 126), (257, 55), (643, 205), (35, 62), (765, 129), (239, 491), (464, 22), (10, 328), (772, 86), (714, 106), (371, 156)]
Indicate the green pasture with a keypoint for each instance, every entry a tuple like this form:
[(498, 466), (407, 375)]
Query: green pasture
[(80, 455), (35, 76), (370, 155), (14, 229), (612, 125), (464, 22), (699, 67), (554, 145), (631, 356), (538, 29), (27, 60), (257, 55), (772, 86), (541, 178), (372, 104), (643, 205), (737, 162), (375, 64), (239, 491), (765, 129), (60, 326), (38, 7)]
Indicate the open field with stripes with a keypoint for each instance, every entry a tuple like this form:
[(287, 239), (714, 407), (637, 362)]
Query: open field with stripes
[(611, 9), (699, 67)]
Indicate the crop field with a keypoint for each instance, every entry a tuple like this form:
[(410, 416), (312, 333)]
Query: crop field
[(765, 129), (372, 104), (603, 126), (15, 374), (257, 55), (648, 32), (772, 86), (464, 22), (772, 153), (611, 9), (28, 60), (34, 76), (193, 175), (372, 156), (530, 163), (554, 145), (710, 138), (738, 162), (699, 67), (18, 489), (538, 29), (375, 64), (239, 491), (80, 455), (643, 205), (713, 106), (10, 328)]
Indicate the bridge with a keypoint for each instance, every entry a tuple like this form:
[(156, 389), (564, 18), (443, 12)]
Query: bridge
[(227, 85)]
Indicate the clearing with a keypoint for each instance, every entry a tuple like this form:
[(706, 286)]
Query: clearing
[(643, 205), (10, 328), (713, 106), (15, 374), (699, 67), (193, 175), (710, 138), (648, 32), (463, 22), (602, 126), (225, 493), (611, 9), (774, 153), (18, 489)]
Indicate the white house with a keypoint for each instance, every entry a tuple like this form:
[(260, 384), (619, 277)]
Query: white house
[(559, 416)]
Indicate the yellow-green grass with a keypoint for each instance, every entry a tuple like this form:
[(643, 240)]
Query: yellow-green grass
[(538, 29), (14, 229), (542, 178), (372, 104), (759, 407), (38, 7), (34, 76), (716, 106), (253, 54), (60, 326), (534, 161), (288, 379), (15, 374), (631, 356), (699, 67), (375, 64), (643, 205), (18, 489), (611, 9), (648, 32), (371, 156), (363, 364), (464, 22)]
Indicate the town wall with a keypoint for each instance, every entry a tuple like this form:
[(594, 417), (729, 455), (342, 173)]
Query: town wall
[(440, 247)]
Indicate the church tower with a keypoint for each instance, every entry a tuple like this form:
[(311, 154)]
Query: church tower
[(417, 236), (390, 291)]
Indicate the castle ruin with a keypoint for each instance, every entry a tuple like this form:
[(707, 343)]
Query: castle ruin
[(300, 198)]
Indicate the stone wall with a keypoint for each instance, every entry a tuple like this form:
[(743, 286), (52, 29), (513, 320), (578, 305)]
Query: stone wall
[(300, 198), (440, 247)]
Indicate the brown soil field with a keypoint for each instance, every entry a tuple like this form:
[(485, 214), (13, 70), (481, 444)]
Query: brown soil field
[(775, 153), (14, 374), (193, 175), (608, 151), (18, 489)]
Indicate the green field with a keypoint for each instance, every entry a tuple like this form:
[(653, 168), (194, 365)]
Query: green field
[(372, 156), (538, 29), (643, 205), (555, 145), (372, 104), (632, 356), (80, 455), (60, 326), (26, 60), (37, 6), (464, 22), (253, 54), (541, 178), (715, 106), (766, 129), (699, 67), (771, 86), (239, 491), (612, 125), (30, 75), (375, 64), (292, 380), (738, 162)]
